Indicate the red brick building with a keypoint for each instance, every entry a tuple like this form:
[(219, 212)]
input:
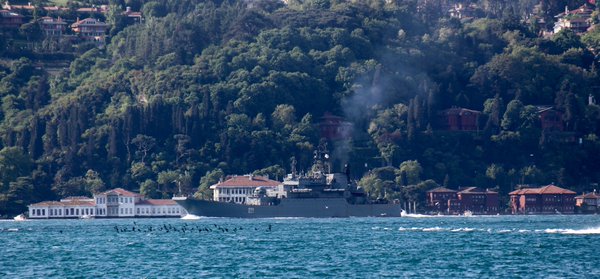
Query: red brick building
[(474, 199), (334, 127), (551, 119), (439, 199), (549, 199), (459, 119), (478, 200)]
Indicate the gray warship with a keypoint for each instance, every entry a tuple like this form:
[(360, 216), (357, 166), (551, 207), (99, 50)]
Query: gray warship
[(317, 194)]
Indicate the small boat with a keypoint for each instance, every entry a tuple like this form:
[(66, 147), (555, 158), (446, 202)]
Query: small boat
[(468, 213), (20, 217), (86, 216), (190, 217)]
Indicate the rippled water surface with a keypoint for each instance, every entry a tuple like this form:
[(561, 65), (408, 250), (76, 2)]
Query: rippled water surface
[(497, 246)]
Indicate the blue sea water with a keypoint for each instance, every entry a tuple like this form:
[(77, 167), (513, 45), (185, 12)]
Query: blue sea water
[(442, 247)]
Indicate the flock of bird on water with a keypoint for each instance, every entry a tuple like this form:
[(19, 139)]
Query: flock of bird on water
[(185, 228)]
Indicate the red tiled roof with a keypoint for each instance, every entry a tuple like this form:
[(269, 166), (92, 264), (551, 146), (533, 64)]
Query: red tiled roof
[(247, 181), (476, 190), (552, 189), (55, 8), (588, 196), (157, 202), (459, 111), (89, 22), (121, 192), (51, 20), (19, 7), (5, 13), (441, 190), (546, 190)]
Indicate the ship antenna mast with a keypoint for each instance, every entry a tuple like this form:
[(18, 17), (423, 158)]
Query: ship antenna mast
[(325, 153)]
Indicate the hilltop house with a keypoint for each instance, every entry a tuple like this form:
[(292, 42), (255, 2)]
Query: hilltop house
[(238, 188), (52, 26), (334, 127), (21, 8), (459, 119), (10, 20), (462, 11), (90, 29), (110, 204), (133, 17), (549, 199), (578, 20), (550, 119)]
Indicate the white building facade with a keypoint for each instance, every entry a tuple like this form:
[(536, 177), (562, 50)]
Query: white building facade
[(238, 188), (71, 207), (114, 203)]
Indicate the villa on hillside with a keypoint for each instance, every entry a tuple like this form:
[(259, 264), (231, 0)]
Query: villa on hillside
[(459, 119), (578, 20), (333, 127), (462, 11), (550, 119), (10, 19), (90, 29), (110, 204), (53, 26)]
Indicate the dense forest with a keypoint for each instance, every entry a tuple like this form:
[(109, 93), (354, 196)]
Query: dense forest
[(206, 88)]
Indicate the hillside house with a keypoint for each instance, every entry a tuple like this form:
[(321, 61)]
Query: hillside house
[(550, 119), (10, 20), (18, 8), (578, 20), (52, 26), (459, 119), (334, 127), (90, 29), (132, 17), (462, 11)]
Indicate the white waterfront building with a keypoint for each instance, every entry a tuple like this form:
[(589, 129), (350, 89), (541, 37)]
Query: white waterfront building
[(70, 207), (110, 204), (238, 188)]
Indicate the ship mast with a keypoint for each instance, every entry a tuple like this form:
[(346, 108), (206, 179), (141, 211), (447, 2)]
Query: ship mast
[(321, 163)]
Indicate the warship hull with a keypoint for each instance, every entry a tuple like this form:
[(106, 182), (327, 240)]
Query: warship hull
[(308, 207)]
